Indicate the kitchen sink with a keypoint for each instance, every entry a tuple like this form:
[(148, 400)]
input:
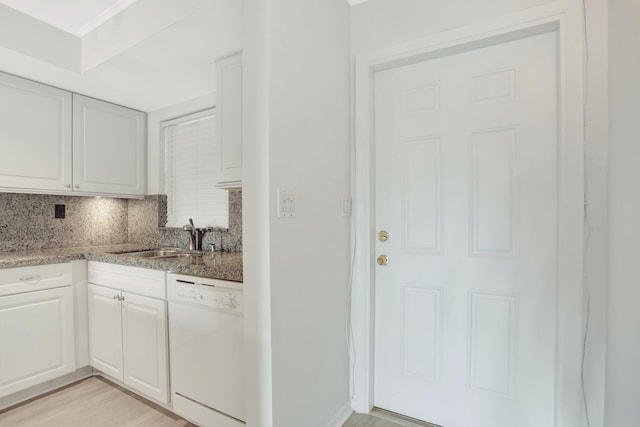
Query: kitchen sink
[(174, 254), (159, 253), (169, 256)]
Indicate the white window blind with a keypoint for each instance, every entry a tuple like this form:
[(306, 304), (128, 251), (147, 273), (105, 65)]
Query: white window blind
[(191, 170)]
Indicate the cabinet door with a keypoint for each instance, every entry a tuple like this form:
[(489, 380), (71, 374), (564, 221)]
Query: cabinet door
[(35, 136), (105, 330), (36, 338), (108, 148), (229, 116), (145, 345)]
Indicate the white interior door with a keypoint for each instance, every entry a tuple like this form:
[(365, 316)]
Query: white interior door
[(467, 186)]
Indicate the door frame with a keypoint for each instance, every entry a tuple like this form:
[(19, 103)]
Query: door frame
[(565, 19)]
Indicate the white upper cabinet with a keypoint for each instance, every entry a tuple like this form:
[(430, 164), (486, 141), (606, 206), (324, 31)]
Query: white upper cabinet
[(53, 142), (229, 116), (35, 135), (108, 148)]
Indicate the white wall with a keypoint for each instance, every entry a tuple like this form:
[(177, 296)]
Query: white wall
[(309, 128), (379, 23), (623, 347), (296, 92), (256, 212), (155, 146)]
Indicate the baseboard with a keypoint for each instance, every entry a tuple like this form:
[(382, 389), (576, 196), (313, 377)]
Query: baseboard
[(201, 414), (44, 388), (342, 416)]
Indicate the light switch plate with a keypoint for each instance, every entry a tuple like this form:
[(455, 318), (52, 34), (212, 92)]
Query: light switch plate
[(286, 203), (346, 207)]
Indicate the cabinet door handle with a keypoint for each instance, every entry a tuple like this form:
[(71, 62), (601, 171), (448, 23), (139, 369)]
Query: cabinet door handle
[(77, 186), (68, 185), (116, 297), (30, 280)]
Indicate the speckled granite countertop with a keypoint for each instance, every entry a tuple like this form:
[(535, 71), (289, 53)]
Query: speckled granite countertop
[(222, 265)]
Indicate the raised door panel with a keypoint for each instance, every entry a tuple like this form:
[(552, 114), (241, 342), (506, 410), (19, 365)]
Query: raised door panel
[(36, 338), (105, 330), (35, 136), (229, 114), (108, 148), (145, 345)]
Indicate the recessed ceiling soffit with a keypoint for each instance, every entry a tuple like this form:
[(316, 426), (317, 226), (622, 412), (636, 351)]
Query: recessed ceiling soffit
[(96, 40)]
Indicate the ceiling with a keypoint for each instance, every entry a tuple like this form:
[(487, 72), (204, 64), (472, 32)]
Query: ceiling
[(77, 17), (145, 54)]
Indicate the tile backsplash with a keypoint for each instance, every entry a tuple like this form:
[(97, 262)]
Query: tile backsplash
[(27, 222), (147, 219)]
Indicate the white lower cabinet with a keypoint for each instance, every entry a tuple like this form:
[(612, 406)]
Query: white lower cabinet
[(105, 331), (144, 339), (37, 341), (128, 331)]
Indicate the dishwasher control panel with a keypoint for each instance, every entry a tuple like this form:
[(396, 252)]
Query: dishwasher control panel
[(206, 294)]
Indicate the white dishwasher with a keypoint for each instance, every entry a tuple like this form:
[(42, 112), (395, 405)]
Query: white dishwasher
[(206, 350)]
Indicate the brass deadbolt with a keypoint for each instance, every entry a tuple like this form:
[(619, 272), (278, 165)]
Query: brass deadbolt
[(383, 235), (383, 259)]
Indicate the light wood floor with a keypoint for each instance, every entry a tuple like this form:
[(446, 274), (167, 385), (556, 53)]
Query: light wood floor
[(96, 402), (382, 418), (93, 402)]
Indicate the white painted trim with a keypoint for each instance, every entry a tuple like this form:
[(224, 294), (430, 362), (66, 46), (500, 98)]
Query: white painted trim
[(563, 17), (341, 416), (38, 390), (355, 2), (103, 17)]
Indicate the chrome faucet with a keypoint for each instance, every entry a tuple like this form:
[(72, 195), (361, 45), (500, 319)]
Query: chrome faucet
[(193, 234), (196, 235)]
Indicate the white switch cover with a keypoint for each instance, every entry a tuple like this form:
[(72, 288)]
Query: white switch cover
[(345, 206), (286, 203)]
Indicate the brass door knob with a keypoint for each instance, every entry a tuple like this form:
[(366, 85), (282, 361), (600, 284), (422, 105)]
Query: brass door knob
[(383, 259)]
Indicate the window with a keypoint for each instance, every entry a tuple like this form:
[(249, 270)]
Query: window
[(191, 170)]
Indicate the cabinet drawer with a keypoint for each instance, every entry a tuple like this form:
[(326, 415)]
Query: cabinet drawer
[(34, 278), (136, 280)]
